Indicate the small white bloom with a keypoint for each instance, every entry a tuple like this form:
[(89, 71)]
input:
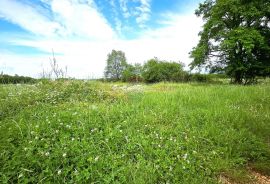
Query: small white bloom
[(72, 139), (64, 155), (59, 172), (47, 154), (96, 159), (185, 156)]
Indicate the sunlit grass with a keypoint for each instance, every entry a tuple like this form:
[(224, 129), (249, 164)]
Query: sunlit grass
[(83, 132)]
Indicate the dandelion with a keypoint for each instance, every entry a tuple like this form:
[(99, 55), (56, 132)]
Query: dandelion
[(64, 155)]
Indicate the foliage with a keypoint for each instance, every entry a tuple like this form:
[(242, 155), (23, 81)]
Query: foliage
[(155, 70), (8, 79), (132, 73), (89, 132), (235, 38), (116, 64)]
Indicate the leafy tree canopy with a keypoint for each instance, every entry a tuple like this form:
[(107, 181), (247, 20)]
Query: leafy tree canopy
[(155, 70), (235, 38), (116, 64)]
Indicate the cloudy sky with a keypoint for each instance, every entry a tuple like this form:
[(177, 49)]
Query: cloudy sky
[(83, 32)]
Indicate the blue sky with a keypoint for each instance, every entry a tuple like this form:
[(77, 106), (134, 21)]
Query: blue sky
[(83, 32)]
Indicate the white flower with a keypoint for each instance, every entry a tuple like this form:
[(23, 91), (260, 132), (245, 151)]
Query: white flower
[(72, 139), (96, 159), (47, 154), (185, 156), (64, 155), (59, 172)]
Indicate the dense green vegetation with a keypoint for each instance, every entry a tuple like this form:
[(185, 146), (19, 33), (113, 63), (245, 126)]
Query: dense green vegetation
[(235, 38), (8, 79), (91, 132)]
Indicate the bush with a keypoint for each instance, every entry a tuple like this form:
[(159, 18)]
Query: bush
[(155, 70)]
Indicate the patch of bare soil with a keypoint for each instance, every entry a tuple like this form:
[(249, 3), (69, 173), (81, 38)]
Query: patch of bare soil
[(257, 178)]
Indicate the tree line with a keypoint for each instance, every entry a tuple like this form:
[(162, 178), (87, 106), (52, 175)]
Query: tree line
[(235, 41), (154, 70), (16, 79)]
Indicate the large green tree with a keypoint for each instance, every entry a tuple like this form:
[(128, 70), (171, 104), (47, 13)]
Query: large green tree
[(235, 38), (116, 64)]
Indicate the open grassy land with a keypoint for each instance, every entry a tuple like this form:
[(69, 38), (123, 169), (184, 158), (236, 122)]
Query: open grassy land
[(90, 132)]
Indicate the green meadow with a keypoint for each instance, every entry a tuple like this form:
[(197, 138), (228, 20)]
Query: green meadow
[(93, 132)]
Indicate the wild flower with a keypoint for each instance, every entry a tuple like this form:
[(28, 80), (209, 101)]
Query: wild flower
[(47, 154), (185, 156), (20, 175), (64, 154), (59, 172), (72, 139), (96, 159)]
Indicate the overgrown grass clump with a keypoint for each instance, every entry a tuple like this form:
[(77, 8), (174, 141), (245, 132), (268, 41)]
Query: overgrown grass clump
[(83, 132)]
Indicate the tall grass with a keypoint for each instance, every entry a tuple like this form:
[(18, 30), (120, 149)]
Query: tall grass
[(83, 132)]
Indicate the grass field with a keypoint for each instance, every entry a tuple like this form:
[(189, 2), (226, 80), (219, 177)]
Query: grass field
[(91, 132)]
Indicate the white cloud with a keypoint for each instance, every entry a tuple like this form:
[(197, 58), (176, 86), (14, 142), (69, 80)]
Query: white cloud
[(87, 57), (27, 17), (81, 19), (143, 12), (124, 8)]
